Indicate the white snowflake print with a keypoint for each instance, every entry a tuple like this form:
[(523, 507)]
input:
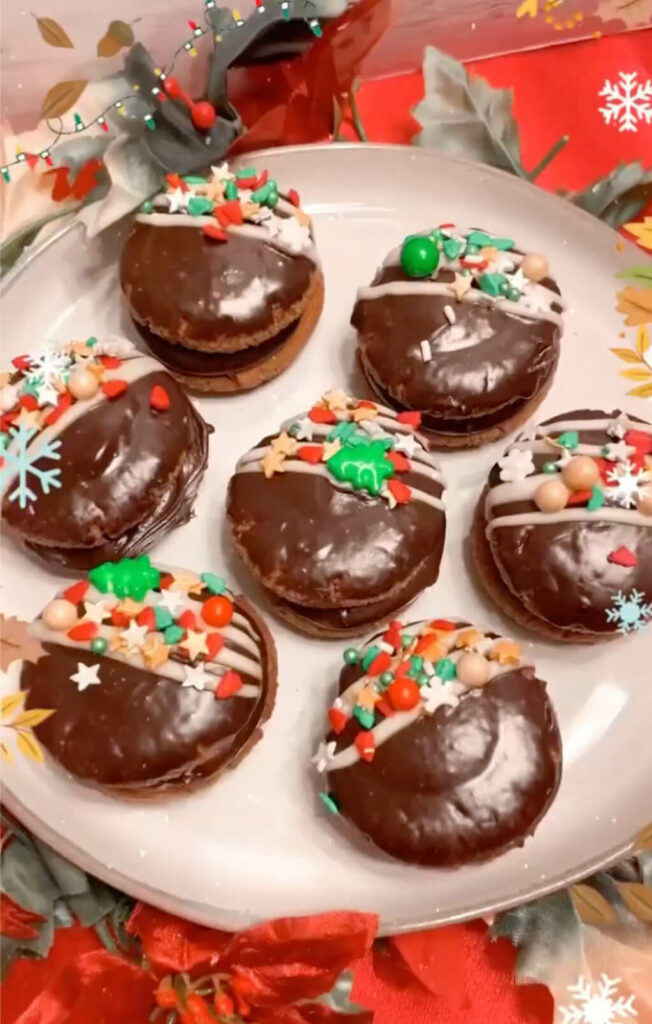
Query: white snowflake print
[(629, 102), (516, 464), (597, 1003), (625, 481), (47, 370), (631, 611), (17, 459)]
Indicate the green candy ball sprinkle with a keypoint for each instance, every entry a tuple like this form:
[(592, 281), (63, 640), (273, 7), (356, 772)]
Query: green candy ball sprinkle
[(351, 656), (513, 294), (99, 645), (422, 679), (549, 467), (406, 640), (147, 206), (419, 256), (386, 678)]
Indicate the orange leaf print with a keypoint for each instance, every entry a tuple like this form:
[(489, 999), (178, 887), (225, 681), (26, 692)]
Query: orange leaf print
[(636, 304)]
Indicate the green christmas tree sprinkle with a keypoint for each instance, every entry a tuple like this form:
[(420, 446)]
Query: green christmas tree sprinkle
[(130, 577), (445, 668), (216, 584), (364, 466)]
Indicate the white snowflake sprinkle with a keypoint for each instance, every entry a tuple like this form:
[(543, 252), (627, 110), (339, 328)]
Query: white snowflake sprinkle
[(516, 464), (625, 481), (86, 675), (324, 756), (19, 458), (597, 1003), (178, 201), (50, 365), (629, 102), (616, 451), (292, 234), (631, 611), (619, 426), (303, 429), (437, 693)]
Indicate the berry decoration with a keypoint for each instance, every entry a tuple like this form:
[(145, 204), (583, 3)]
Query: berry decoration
[(217, 611), (403, 694)]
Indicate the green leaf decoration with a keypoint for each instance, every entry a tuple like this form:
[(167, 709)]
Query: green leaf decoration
[(61, 97), (118, 35), (619, 196), (643, 274), (364, 466), (545, 933), (53, 34), (130, 577)]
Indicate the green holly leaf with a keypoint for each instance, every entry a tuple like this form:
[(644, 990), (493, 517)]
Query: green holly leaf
[(364, 466)]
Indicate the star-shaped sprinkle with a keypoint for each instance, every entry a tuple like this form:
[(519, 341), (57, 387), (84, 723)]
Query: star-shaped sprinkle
[(171, 600), (129, 607), (134, 635), (619, 426), (408, 444), (272, 462), (284, 444), (30, 419), (329, 449), (336, 399), (468, 638), (460, 286), (222, 172), (178, 201), (324, 756), (518, 280), (303, 429), (435, 694), (95, 612), (367, 698), (506, 652), (155, 652), (364, 412), (86, 675), (490, 253), (616, 451), (186, 582), (194, 644), (197, 677)]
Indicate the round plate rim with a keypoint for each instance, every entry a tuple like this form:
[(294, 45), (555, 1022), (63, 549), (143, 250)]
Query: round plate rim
[(159, 897)]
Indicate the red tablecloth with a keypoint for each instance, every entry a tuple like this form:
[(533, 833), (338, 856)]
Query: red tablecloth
[(556, 93)]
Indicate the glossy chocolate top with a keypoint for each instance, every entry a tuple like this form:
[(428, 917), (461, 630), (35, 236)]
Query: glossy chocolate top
[(324, 544), (224, 296), (568, 568), (485, 364), (129, 474), (460, 784), (142, 731)]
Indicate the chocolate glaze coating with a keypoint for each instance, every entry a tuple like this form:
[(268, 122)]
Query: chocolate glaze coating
[(335, 552), (462, 390), (462, 785), (129, 474), (142, 733), (174, 279), (559, 572)]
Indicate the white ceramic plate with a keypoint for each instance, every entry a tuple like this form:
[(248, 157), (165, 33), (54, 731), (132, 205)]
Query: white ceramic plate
[(256, 844)]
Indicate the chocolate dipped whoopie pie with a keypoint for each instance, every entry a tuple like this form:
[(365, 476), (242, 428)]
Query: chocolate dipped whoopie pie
[(340, 515), (443, 747), (463, 328), (562, 537), (103, 452), (157, 678), (222, 278)]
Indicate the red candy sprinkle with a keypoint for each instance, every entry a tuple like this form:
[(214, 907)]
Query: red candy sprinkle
[(403, 668), (474, 264), (338, 719), (639, 440), (310, 453), (77, 592), (623, 556), (229, 684), (28, 402), (187, 620), (7, 420), (110, 362), (366, 745), (399, 462), (401, 493), (247, 183), (119, 619), (393, 635), (403, 694), (146, 618), (364, 403), (214, 233), (229, 213), (217, 611), (22, 362), (64, 403), (166, 581), (159, 398), (224, 1005), (175, 180), (579, 498), (293, 196), (264, 175), (320, 415), (114, 388), (412, 419), (380, 664), (385, 708), (215, 643), (83, 631), (443, 624)]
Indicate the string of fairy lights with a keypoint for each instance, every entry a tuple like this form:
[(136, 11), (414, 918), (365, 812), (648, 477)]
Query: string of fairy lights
[(31, 159)]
